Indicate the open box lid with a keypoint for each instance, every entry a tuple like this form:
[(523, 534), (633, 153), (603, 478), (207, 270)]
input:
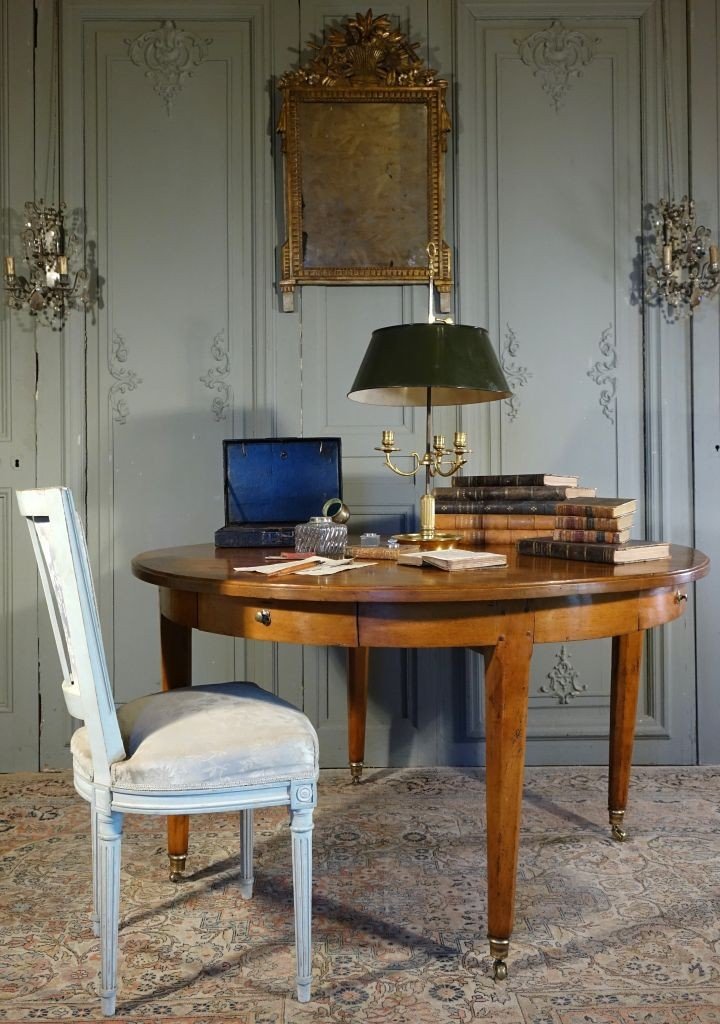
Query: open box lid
[(280, 479)]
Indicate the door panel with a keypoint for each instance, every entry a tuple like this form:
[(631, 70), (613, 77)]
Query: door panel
[(551, 206), (20, 713)]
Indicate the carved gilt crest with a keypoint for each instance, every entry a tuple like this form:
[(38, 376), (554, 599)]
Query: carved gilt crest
[(363, 50)]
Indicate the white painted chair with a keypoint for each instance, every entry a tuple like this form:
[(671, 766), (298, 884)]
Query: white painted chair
[(201, 749)]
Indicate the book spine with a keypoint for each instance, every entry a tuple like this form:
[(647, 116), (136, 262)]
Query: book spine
[(505, 480), (494, 522), (496, 507), (501, 493), (593, 536), (566, 549), (576, 508), (585, 523), (469, 536)]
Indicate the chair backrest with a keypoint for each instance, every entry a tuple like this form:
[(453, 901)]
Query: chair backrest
[(64, 567)]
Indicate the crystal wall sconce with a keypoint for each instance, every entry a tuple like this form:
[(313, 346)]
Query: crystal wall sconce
[(49, 290)]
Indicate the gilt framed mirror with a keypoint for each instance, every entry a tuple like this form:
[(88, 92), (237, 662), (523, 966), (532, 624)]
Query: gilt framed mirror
[(364, 130)]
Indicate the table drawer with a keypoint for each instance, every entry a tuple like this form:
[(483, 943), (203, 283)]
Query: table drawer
[(294, 622)]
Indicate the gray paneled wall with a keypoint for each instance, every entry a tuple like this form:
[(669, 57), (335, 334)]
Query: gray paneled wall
[(179, 178)]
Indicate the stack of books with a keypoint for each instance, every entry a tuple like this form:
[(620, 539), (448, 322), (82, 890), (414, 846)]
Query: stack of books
[(504, 509), (595, 530)]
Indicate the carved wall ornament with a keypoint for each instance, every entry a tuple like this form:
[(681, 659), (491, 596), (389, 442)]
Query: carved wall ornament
[(169, 55), (216, 377), (125, 380), (557, 55), (517, 376), (363, 49), (602, 374), (563, 678)]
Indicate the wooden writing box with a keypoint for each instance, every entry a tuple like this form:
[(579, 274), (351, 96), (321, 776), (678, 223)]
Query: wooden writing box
[(274, 483)]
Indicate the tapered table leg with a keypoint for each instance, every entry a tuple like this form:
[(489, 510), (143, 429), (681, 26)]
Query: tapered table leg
[(176, 671), (507, 674), (624, 686), (357, 709)]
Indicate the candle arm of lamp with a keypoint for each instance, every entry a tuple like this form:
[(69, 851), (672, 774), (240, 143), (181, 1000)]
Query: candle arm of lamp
[(388, 448)]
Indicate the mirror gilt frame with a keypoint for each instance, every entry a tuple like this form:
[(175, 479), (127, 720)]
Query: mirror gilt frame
[(364, 133)]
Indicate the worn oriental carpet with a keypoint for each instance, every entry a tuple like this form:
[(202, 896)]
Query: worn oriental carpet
[(606, 933)]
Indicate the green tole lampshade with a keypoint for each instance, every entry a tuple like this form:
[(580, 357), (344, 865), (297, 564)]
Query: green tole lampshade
[(457, 362)]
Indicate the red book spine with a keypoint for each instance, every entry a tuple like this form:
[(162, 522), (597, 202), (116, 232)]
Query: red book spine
[(593, 536)]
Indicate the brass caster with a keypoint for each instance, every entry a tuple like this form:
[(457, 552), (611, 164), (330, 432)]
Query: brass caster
[(177, 867), (616, 826), (499, 970), (499, 949), (356, 770)]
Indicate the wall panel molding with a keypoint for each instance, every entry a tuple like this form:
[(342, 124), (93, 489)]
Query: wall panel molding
[(6, 607)]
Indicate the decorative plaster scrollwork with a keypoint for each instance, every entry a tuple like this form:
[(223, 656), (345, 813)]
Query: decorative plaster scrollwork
[(169, 55), (126, 380), (563, 679), (215, 377), (517, 376), (602, 374), (557, 54)]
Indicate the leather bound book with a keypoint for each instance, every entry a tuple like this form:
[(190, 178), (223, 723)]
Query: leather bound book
[(608, 508), (538, 493), (517, 480), (593, 536), (614, 554)]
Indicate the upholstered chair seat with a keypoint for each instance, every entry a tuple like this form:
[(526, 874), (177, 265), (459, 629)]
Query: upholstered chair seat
[(197, 750), (219, 736)]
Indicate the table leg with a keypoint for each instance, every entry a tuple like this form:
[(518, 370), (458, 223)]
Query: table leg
[(624, 686), (357, 708), (176, 671), (507, 675)]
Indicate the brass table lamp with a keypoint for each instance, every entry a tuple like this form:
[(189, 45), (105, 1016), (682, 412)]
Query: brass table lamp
[(437, 363)]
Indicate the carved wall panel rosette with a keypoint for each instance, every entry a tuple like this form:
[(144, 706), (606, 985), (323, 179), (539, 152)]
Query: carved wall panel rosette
[(557, 55), (169, 56), (125, 380), (363, 127), (603, 375), (517, 376)]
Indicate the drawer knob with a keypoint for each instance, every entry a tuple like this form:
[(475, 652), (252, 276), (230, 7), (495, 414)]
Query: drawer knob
[(680, 597), (263, 616)]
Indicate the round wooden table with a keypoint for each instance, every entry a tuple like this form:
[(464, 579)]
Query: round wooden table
[(500, 612)]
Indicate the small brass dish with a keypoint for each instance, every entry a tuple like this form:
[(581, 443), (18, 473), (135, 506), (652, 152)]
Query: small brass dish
[(437, 541)]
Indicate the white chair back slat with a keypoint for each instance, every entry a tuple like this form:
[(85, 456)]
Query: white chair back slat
[(64, 567), (51, 605)]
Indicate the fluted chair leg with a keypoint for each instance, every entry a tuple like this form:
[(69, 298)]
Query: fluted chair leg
[(109, 827), (301, 824), (247, 877), (95, 916)]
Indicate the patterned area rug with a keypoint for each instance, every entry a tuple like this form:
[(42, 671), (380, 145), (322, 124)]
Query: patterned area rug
[(606, 933)]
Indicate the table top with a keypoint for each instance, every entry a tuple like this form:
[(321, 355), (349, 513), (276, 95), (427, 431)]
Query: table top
[(202, 568)]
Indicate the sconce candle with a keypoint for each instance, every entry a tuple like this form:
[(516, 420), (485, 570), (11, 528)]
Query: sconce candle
[(9, 266)]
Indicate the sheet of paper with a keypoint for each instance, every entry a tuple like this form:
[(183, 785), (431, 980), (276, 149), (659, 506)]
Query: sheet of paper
[(282, 569), (333, 566)]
